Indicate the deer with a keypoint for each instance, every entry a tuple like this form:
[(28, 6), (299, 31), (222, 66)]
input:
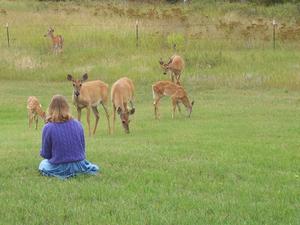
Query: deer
[(89, 95), (177, 94), (122, 92), (34, 109), (175, 65), (57, 41)]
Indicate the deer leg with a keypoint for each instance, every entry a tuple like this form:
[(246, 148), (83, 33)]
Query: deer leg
[(131, 104), (36, 119), (60, 47), (30, 120), (55, 49), (177, 75), (107, 117), (172, 76), (88, 113), (78, 113), (155, 103), (96, 113), (114, 118), (174, 103), (178, 106)]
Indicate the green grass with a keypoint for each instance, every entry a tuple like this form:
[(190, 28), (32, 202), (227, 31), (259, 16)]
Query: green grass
[(235, 161)]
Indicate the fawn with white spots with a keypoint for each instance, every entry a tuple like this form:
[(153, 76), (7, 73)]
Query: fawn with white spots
[(57, 41), (175, 66), (34, 109), (177, 94)]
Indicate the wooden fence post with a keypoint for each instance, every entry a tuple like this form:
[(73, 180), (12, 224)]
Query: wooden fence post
[(7, 34), (274, 36), (137, 33)]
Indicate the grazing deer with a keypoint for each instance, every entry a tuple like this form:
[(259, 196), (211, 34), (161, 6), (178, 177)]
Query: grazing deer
[(122, 92), (175, 66), (89, 95), (34, 109), (57, 41), (176, 92)]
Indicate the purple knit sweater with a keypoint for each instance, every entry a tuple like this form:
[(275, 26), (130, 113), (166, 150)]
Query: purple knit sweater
[(63, 142)]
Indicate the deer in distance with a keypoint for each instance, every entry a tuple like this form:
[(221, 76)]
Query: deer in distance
[(57, 41), (177, 94), (34, 109), (89, 95), (122, 92), (175, 65)]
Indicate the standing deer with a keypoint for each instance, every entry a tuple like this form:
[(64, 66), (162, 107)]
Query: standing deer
[(175, 66), (57, 41), (122, 92), (34, 109), (176, 92), (89, 95)]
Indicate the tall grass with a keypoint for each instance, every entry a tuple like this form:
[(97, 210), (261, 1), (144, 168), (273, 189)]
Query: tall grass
[(103, 44)]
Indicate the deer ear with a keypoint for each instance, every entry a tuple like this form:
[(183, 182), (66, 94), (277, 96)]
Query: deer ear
[(132, 111), (119, 110), (84, 77), (69, 77), (161, 61)]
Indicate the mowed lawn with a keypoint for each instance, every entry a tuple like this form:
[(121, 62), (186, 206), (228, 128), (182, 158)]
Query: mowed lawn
[(235, 161)]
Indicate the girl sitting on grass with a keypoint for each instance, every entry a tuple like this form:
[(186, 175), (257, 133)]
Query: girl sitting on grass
[(63, 143)]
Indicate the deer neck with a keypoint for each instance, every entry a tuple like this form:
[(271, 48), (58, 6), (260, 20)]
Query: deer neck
[(52, 37), (79, 101), (40, 112), (76, 99)]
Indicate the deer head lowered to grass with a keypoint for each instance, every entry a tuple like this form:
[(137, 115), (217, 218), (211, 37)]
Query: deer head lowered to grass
[(175, 65), (89, 95), (122, 92), (177, 94)]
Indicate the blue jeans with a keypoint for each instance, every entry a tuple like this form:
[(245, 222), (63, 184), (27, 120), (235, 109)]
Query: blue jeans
[(66, 170)]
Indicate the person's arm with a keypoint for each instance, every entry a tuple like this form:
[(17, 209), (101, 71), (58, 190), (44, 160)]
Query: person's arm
[(82, 137), (46, 150)]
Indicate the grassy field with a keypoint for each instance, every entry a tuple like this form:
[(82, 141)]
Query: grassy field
[(235, 161)]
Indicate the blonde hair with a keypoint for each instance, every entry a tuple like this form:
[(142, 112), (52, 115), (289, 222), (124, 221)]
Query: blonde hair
[(58, 110)]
